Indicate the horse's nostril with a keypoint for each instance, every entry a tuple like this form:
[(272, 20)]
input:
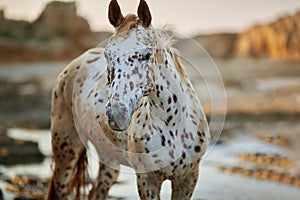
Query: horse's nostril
[(109, 113), (117, 116)]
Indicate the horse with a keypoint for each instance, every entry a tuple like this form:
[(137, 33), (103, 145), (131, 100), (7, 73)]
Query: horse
[(135, 103)]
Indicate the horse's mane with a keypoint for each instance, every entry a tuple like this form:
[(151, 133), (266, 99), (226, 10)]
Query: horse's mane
[(165, 42), (164, 39)]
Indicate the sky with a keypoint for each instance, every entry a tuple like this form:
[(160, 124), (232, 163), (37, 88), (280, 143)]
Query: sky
[(187, 17)]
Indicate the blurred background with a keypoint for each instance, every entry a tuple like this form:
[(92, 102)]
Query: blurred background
[(255, 45)]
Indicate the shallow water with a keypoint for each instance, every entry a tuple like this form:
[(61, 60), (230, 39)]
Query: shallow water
[(211, 185)]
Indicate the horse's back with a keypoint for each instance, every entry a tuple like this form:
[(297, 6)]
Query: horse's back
[(62, 117), (63, 87)]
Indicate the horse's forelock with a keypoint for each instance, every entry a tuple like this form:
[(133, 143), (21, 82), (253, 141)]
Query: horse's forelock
[(131, 21)]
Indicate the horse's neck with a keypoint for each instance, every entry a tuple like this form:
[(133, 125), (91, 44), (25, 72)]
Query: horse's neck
[(169, 95), (168, 75)]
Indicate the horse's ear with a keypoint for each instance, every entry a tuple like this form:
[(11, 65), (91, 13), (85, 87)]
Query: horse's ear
[(144, 14), (114, 14)]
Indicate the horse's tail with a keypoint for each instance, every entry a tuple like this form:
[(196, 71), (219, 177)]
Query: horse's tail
[(51, 190), (78, 180)]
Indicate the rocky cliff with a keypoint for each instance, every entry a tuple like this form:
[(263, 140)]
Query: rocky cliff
[(57, 34), (218, 45), (60, 19), (13, 28), (278, 40)]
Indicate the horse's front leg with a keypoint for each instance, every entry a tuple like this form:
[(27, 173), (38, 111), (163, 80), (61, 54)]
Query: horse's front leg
[(107, 176), (149, 185), (183, 187)]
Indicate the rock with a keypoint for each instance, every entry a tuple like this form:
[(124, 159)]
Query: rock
[(24, 104), (1, 195), (278, 40), (18, 152), (14, 29), (61, 19), (31, 187), (27, 187), (57, 34), (218, 45)]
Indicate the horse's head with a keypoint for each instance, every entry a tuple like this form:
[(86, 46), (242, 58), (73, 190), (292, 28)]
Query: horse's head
[(130, 61)]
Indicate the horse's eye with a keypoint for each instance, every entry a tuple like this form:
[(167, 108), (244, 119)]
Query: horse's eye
[(146, 57)]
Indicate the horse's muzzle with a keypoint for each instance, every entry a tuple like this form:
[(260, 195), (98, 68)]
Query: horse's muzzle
[(118, 115)]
